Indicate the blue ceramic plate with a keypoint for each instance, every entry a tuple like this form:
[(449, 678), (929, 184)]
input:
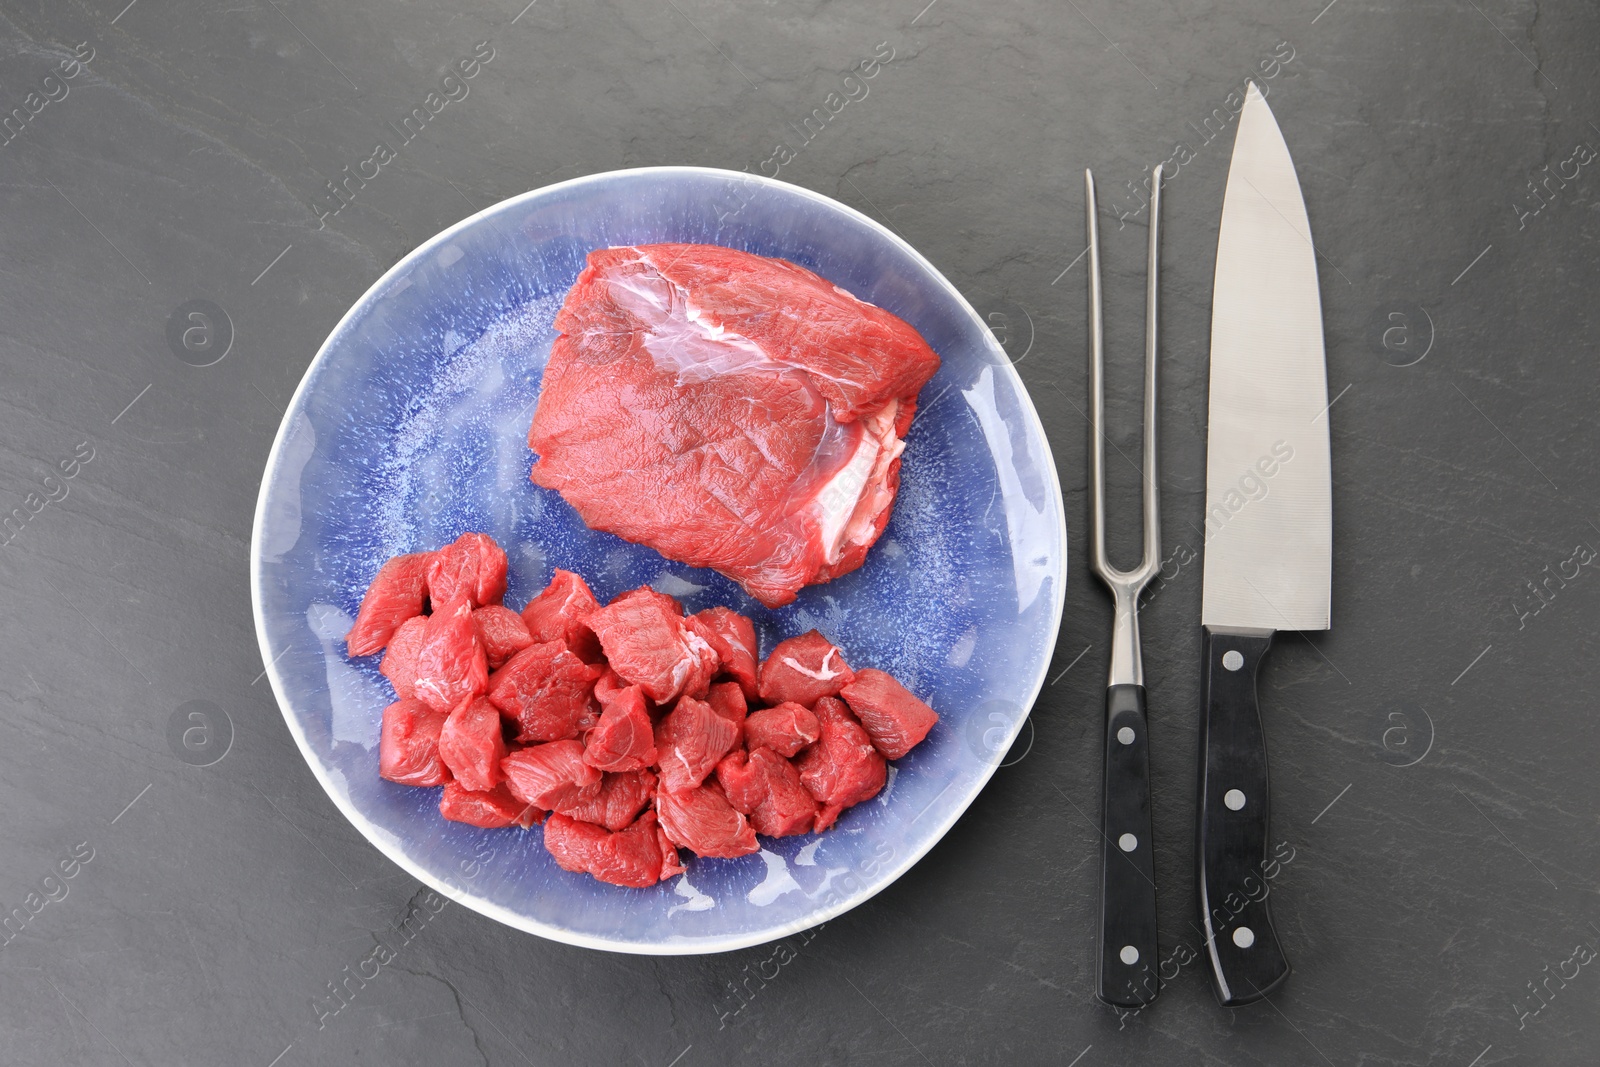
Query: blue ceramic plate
[(410, 428)]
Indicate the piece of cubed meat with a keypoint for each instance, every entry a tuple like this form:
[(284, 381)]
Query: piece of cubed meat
[(702, 821), (450, 664), (608, 684), (472, 745), (689, 742), (408, 744), (671, 862), (491, 810), (548, 691), (804, 669), (624, 739), (890, 713), (767, 787), (734, 638), (631, 857), (557, 614), (548, 776), (502, 633), (395, 595), (648, 645), (727, 700), (472, 566), (400, 658), (785, 729), (842, 768), (621, 797), (667, 601)]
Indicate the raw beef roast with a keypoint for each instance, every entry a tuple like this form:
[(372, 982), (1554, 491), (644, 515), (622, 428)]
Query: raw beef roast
[(728, 410)]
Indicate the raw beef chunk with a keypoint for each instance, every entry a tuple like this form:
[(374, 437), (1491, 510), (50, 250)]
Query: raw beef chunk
[(557, 614), (766, 787), (689, 742), (550, 776), (408, 744), (702, 821), (734, 638), (502, 633), (804, 669), (624, 739), (548, 692), (471, 745), (491, 810), (895, 719), (619, 799), (648, 645), (785, 729), (395, 595), (630, 857), (400, 658), (728, 410), (450, 664), (842, 768), (472, 566)]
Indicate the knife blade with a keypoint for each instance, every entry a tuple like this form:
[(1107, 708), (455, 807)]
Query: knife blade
[(1268, 531)]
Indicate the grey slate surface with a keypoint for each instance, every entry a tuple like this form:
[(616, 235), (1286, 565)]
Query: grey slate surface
[(1434, 754)]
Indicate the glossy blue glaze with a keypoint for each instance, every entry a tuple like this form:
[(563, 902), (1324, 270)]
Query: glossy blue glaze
[(410, 428)]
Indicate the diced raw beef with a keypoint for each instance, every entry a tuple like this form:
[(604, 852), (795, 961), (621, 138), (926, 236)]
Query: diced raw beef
[(450, 664), (702, 821), (408, 744), (548, 691), (785, 729), (728, 410), (630, 857), (804, 669), (649, 646), (557, 614), (492, 810), (550, 776), (472, 566), (621, 797), (395, 595), (734, 638), (892, 716), (608, 685), (671, 862), (502, 633), (727, 700), (400, 658), (766, 787), (842, 768), (624, 739), (471, 745), (689, 742)]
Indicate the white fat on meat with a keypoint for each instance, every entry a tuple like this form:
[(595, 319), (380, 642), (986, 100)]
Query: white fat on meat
[(677, 337), (848, 506)]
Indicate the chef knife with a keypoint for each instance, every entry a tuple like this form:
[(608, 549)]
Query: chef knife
[(1268, 531)]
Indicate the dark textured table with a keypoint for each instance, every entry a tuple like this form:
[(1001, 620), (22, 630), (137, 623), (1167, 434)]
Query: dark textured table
[(1434, 754)]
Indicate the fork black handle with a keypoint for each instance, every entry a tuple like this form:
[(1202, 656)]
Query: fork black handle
[(1127, 866), (1247, 961)]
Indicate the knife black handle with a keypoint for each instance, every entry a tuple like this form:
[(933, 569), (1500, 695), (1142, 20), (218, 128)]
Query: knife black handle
[(1127, 857), (1231, 852)]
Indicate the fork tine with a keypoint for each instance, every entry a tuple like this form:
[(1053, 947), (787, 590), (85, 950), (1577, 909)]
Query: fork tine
[(1097, 452), (1152, 505)]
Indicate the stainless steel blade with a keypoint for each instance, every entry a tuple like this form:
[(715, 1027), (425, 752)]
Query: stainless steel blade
[(1269, 487)]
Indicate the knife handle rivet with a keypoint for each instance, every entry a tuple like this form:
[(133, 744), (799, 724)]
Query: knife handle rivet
[(1127, 842), (1129, 955), (1125, 735), (1234, 799), (1232, 660), (1244, 937)]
